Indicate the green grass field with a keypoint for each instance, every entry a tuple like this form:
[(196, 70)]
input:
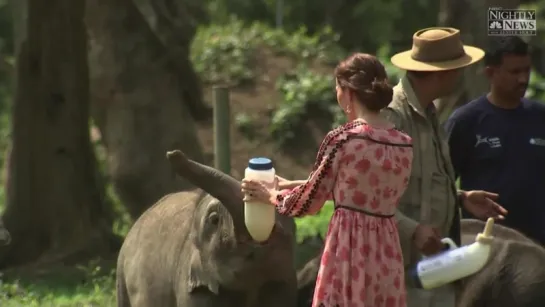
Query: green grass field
[(73, 287)]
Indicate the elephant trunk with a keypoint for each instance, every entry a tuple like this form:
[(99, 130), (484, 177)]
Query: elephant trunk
[(216, 183)]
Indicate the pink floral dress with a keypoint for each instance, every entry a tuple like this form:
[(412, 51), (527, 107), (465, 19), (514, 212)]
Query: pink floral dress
[(365, 170)]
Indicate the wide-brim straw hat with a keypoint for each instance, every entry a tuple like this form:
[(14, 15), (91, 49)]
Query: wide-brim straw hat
[(436, 49)]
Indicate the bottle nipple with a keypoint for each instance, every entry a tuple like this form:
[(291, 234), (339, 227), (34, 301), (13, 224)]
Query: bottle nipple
[(486, 236)]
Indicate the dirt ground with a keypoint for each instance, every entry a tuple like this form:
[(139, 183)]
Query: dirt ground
[(258, 100)]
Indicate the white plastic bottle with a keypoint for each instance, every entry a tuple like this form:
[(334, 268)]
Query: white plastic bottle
[(454, 264), (259, 217)]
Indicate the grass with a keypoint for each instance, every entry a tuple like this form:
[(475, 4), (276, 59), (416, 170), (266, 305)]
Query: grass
[(63, 287)]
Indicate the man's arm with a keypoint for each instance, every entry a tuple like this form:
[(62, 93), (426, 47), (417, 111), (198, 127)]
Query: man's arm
[(406, 225)]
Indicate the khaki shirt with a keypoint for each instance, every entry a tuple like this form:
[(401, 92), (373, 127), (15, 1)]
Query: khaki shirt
[(431, 196)]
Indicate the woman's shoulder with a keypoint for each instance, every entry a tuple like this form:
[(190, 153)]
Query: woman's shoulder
[(343, 132), (385, 136), (397, 136), (358, 129)]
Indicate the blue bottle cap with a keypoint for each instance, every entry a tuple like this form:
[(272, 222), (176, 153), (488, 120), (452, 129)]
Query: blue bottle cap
[(260, 164)]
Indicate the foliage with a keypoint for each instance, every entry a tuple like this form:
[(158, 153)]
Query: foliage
[(351, 19), (315, 225), (394, 73), (6, 28), (539, 7), (536, 88), (246, 125), (225, 54), (304, 91)]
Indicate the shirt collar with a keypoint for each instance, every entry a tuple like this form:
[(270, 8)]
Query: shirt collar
[(412, 99)]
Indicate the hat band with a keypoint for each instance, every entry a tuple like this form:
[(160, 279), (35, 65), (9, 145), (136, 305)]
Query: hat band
[(437, 54)]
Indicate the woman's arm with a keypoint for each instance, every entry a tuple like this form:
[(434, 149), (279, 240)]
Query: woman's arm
[(309, 196), (284, 184)]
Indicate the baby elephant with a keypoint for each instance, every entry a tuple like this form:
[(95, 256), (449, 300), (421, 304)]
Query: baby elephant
[(193, 250), (514, 275)]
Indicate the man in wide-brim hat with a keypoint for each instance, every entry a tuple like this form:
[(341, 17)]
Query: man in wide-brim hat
[(429, 209)]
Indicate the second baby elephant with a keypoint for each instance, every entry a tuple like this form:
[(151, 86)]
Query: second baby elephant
[(513, 277), (193, 250)]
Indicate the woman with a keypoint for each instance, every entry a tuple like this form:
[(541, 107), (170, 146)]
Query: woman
[(364, 167)]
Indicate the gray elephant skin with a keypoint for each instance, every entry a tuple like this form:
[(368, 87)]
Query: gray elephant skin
[(192, 249), (514, 276)]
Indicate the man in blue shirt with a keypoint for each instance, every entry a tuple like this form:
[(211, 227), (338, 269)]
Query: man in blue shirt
[(497, 142)]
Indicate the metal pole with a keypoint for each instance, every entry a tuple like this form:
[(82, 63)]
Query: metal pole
[(279, 13), (222, 129)]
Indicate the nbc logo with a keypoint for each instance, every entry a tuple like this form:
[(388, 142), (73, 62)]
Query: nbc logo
[(495, 25)]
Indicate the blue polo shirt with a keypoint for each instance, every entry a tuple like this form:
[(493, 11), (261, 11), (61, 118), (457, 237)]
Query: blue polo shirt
[(503, 151)]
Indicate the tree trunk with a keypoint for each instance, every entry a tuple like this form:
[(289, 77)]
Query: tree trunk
[(470, 16), (175, 22), (55, 206), (137, 104)]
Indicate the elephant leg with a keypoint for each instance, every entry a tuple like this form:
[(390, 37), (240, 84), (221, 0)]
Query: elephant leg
[(205, 298), (146, 294), (278, 294), (143, 300)]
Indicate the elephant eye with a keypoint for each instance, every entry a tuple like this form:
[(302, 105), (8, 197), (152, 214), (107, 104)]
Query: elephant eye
[(213, 218)]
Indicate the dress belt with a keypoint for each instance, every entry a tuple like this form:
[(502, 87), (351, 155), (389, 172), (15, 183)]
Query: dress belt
[(384, 216)]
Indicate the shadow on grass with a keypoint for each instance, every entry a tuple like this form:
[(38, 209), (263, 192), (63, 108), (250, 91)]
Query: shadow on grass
[(59, 286)]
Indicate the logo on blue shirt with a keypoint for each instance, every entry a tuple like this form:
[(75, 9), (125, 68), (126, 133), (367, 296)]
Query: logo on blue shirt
[(537, 141), (493, 142)]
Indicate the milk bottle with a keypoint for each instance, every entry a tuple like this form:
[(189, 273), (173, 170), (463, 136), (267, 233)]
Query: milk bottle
[(259, 217), (457, 263)]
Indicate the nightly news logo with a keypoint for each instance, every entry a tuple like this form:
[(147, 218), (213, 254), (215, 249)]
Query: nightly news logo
[(511, 22)]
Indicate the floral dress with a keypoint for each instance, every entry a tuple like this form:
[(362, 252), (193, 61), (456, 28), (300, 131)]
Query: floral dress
[(365, 170)]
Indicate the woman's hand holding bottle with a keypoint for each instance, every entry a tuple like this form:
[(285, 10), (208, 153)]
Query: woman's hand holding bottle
[(256, 191)]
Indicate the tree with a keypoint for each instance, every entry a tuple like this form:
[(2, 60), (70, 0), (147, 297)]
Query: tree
[(55, 205), (175, 23), (137, 104)]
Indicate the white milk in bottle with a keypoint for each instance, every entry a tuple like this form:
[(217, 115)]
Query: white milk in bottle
[(259, 217)]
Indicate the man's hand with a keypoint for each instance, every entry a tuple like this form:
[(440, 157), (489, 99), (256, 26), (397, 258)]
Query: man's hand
[(427, 239), (482, 205)]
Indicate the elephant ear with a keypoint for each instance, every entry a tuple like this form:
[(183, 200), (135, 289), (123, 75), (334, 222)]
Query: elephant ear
[(199, 277)]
